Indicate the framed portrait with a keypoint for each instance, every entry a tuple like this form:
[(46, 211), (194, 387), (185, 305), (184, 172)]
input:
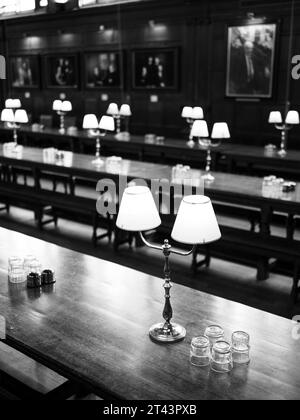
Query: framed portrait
[(250, 60), (156, 69), (103, 70), (61, 71), (25, 72)]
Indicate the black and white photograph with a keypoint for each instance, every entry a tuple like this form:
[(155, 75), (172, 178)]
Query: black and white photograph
[(25, 71), (155, 69), (103, 70), (61, 71), (250, 60), (149, 205)]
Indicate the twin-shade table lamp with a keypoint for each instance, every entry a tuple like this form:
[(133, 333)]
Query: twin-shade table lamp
[(195, 224), (98, 130), (191, 115), (14, 116), (118, 114), (291, 120), (62, 108), (220, 132)]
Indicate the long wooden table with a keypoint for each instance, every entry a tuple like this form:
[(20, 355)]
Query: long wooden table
[(231, 156), (228, 188), (92, 327)]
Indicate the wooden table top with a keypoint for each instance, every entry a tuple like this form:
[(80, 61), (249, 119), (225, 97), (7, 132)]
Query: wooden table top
[(93, 326), (231, 185), (228, 148)]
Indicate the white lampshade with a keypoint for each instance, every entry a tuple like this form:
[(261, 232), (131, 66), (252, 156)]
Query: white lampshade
[(220, 131), (125, 111), (198, 113), (107, 123), (292, 118), (187, 112), (196, 222), (90, 122), (57, 105), (200, 129), (9, 103), (275, 117), (16, 103), (113, 109), (21, 117), (138, 212), (8, 115), (66, 106)]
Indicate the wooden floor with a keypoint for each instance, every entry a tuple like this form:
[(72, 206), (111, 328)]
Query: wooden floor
[(227, 280)]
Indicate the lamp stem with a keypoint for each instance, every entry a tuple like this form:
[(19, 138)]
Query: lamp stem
[(62, 123), (98, 147), (168, 311), (118, 118), (166, 332), (283, 145), (15, 135)]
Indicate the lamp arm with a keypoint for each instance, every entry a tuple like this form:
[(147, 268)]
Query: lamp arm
[(184, 254), (160, 248)]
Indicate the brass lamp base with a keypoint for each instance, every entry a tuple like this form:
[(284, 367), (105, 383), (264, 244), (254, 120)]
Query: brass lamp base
[(160, 333)]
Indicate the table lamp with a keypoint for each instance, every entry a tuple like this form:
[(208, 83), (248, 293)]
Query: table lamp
[(14, 117), (195, 224), (98, 129), (191, 115), (13, 104), (62, 108), (118, 114), (291, 120), (220, 132)]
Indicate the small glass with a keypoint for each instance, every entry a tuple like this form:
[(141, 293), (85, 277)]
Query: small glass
[(29, 260), (12, 261), (200, 352), (221, 361), (241, 348), (214, 333), (35, 267), (16, 273)]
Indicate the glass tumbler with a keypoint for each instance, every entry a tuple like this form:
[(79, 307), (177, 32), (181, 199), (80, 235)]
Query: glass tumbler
[(12, 261), (241, 348), (29, 261), (214, 333), (200, 352), (16, 273), (221, 361)]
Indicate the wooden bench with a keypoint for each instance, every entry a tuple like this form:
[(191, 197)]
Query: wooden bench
[(254, 249), (44, 202), (22, 377)]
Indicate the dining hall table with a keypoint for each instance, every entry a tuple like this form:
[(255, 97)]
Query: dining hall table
[(228, 188), (92, 328), (231, 156)]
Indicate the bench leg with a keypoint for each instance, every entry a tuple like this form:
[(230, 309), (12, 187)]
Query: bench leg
[(205, 262), (290, 227), (295, 288), (263, 272)]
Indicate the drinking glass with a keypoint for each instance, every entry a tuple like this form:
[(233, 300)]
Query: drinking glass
[(16, 273), (29, 260), (214, 333), (221, 361), (241, 348), (200, 352)]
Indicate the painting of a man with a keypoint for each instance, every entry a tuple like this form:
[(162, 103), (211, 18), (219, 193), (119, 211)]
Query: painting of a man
[(251, 51)]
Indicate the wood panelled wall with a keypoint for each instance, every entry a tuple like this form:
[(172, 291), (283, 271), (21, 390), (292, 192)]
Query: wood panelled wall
[(197, 27)]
